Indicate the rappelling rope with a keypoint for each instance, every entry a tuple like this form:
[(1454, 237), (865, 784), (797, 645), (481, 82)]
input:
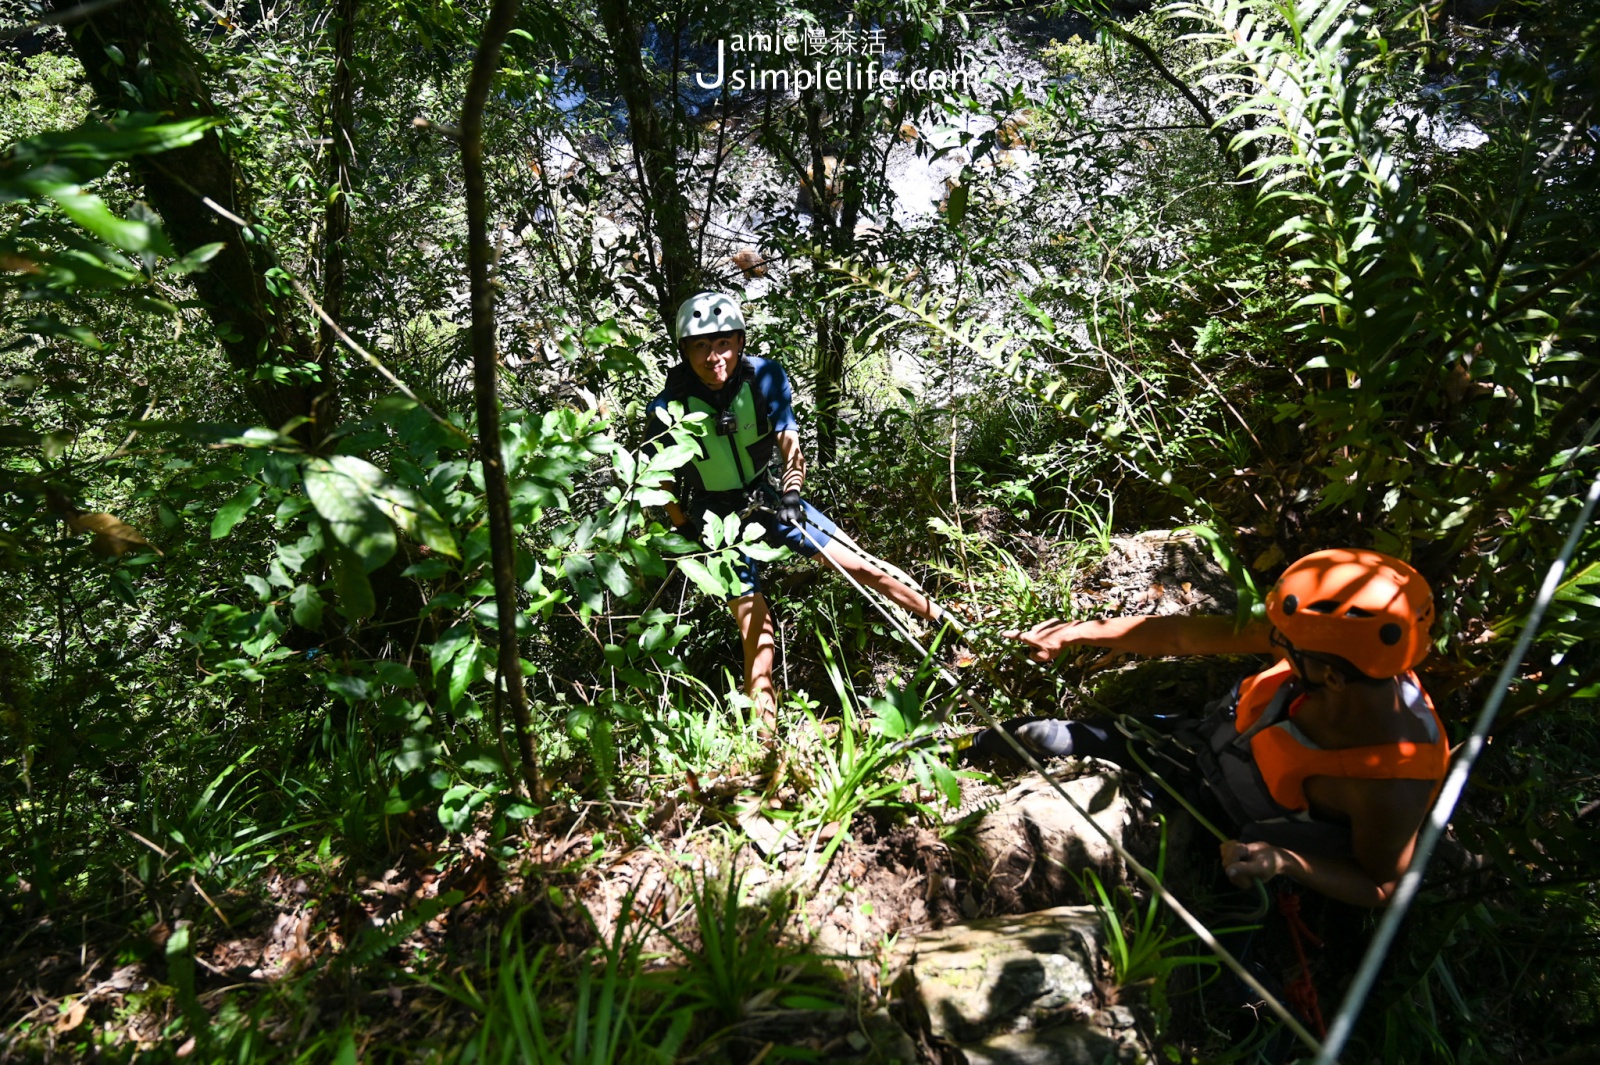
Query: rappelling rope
[(1137, 732), (1302, 993), (1283, 1012), (1449, 794)]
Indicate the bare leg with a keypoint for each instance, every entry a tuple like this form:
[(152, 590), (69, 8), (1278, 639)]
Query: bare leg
[(885, 585), (755, 630)]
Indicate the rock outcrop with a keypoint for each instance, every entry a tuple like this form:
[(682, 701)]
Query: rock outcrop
[(1016, 990)]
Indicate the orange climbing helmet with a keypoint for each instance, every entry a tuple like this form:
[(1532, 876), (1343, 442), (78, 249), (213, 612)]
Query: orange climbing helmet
[(1370, 609)]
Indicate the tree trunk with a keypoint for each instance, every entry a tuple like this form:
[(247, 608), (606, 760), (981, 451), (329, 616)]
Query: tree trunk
[(336, 217), (834, 336), (256, 328), (678, 275), (485, 367)]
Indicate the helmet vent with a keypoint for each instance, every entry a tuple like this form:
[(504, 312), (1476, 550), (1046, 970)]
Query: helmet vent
[(1291, 603), (1390, 634)]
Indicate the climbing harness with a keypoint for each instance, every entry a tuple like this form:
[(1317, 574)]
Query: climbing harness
[(1138, 732)]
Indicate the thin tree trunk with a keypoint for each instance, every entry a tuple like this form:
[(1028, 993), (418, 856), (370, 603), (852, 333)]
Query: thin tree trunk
[(679, 272), (485, 366), (336, 217), (160, 71), (831, 385), (828, 363)]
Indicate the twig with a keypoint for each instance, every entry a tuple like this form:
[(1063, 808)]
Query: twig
[(447, 132), (1140, 45), (316, 308), (147, 843), (223, 211), (210, 902), (373, 361), (1222, 396)]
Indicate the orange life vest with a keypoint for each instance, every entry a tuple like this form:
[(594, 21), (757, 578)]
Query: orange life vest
[(1285, 757)]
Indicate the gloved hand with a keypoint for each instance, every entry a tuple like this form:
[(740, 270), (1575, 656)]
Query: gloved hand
[(790, 510)]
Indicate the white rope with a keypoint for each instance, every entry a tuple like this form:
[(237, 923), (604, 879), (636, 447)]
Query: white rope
[(1350, 1008), (1201, 932)]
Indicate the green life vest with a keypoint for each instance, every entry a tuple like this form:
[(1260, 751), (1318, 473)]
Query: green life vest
[(736, 460)]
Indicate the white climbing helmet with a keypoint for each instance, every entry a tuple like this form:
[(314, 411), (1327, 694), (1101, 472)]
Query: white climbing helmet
[(709, 312)]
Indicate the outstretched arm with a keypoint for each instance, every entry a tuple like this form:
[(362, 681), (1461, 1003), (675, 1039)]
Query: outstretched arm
[(1177, 635)]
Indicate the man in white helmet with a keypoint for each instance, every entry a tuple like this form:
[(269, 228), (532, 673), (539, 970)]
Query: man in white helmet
[(750, 413)]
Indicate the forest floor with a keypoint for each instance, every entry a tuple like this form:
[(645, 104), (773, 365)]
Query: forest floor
[(812, 921)]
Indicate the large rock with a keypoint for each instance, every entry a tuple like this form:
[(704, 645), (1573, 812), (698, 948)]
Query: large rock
[(1014, 989), (1033, 845)]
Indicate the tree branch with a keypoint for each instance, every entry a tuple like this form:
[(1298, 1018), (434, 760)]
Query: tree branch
[(1140, 45)]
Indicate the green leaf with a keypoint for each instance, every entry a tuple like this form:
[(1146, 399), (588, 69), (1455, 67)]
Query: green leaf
[(352, 689), (350, 578), (18, 436), (306, 606), (451, 643), (468, 668), (415, 515), (344, 503), (91, 212), (580, 573), (702, 577), (135, 134), (956, 205), (233, 511), (458, 804), (614, 574), (429, 569), (49, 326), (55, 444), (193, 261)]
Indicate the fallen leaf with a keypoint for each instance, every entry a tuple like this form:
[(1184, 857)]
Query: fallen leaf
[(1268, 558), (113, 537), (74, 1015)]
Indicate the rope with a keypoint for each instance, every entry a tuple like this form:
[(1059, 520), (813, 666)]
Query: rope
[(1135, 731), (1302, 993), (1200, 931), (1449, 794)]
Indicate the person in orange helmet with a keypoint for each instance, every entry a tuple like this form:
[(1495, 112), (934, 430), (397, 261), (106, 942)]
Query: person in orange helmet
[(1329, 759)]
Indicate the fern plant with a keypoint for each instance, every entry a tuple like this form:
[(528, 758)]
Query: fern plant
[(1428, 303)]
